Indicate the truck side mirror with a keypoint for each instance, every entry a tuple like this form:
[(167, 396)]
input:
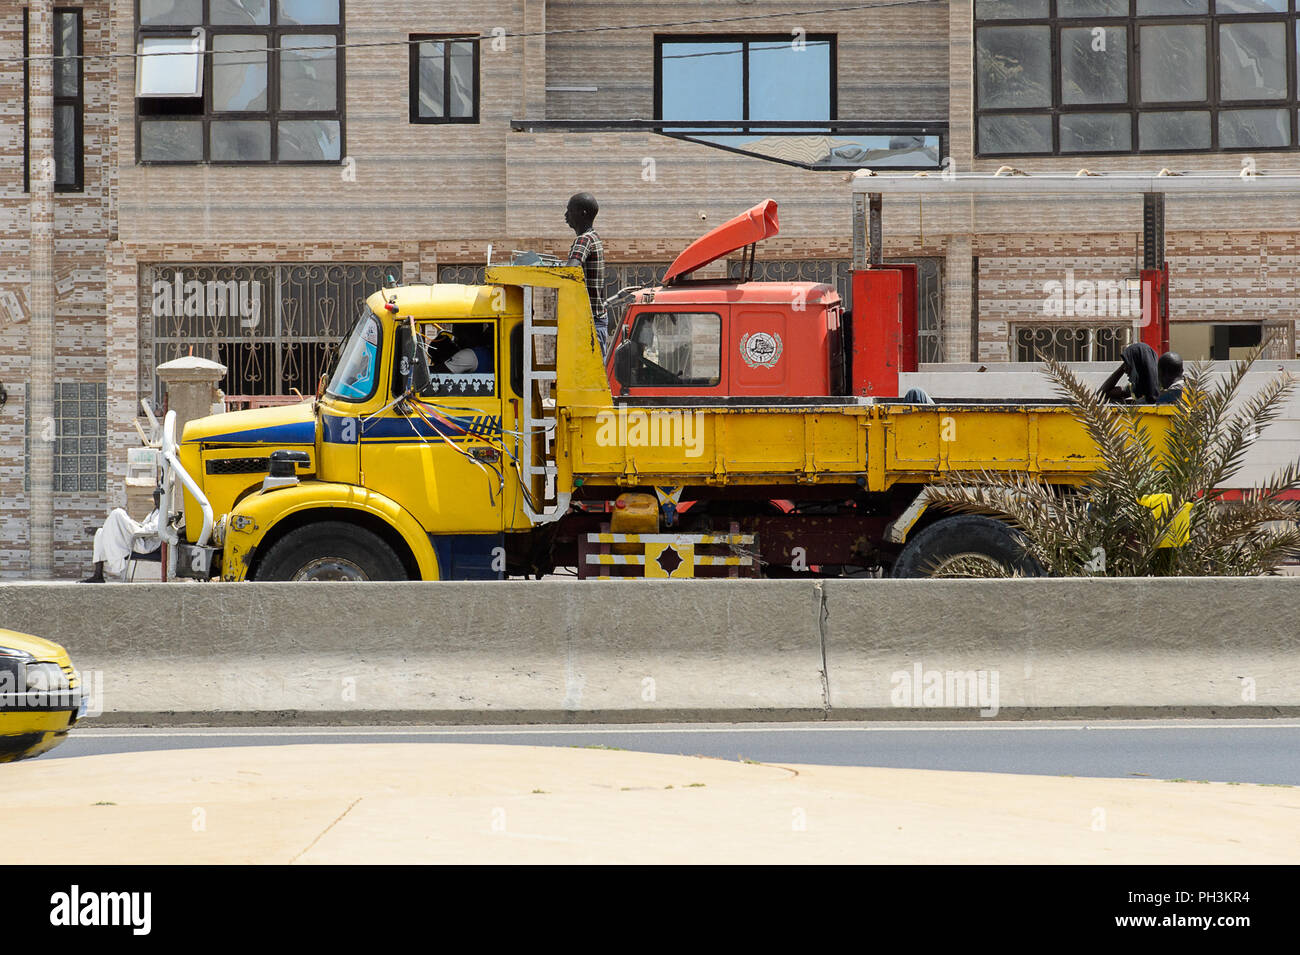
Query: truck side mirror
[(623, 359)]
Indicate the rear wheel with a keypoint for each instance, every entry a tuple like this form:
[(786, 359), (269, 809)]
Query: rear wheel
[(330, 551), (968, 545)]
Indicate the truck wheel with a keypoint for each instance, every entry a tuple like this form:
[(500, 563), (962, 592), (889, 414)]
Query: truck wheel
[(330, 550), (966, 537)]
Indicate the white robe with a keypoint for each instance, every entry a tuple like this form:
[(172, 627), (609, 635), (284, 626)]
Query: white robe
[(114, 541)]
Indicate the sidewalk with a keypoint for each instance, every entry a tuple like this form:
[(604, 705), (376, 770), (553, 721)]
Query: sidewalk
[(403, 802)]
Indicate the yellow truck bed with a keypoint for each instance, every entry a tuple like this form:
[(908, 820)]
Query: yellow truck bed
[(820, 443)]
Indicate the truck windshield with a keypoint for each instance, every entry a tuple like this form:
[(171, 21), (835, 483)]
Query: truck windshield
[(354, 380)]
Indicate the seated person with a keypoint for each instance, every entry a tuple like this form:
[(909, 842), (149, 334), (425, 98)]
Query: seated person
[(1139, 366), (115, 541), (1170, 369), (472, 354)]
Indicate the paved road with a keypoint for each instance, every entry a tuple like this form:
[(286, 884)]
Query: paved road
[(1248, 751)]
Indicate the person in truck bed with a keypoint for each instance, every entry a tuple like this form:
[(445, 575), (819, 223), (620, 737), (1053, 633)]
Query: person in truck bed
[(1139, 366)]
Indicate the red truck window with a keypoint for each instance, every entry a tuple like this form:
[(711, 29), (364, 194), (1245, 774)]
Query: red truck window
[(677, 349)]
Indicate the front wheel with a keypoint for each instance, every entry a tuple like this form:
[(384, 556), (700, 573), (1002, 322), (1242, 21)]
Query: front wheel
[(968, 545), (330, 551)]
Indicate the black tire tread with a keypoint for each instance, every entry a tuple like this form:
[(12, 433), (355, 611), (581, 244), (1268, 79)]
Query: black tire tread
[(964, 533), (335, 538)]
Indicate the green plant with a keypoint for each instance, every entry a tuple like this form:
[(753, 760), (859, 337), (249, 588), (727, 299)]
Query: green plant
[(1103, 528)]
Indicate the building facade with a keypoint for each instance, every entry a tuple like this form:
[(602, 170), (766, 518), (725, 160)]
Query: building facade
[(229, 178)]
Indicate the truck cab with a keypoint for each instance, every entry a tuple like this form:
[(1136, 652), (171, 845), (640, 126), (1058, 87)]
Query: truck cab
[(692, 338), (397, 468), (730, 339)]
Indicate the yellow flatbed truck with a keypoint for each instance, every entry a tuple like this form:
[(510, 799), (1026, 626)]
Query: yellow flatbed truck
[(733, 429)]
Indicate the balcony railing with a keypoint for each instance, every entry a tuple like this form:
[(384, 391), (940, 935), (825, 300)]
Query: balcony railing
[(834, 144)]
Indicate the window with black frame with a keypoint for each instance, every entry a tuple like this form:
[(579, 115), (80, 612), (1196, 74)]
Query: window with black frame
[(461, 357), (239, 81), (676, 349), (69, 103), (1062, 77), (444, 79), (775, 77)]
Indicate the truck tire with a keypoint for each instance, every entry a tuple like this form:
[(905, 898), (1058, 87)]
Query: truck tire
[(965, 535), (330, 550)]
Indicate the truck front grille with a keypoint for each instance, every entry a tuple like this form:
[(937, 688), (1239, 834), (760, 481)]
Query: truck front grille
[(238, 465)]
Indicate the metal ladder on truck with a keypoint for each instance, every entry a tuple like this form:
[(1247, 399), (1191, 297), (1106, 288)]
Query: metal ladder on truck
[(543, 502)]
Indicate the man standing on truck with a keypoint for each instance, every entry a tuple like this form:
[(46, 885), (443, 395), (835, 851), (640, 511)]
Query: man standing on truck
[(588, 252)]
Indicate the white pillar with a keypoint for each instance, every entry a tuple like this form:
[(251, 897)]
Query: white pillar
[(957, 300), (40, 294)]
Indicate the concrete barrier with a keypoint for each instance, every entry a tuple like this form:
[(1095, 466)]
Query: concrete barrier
[(647, 650), (416, 652), (1081, 647)]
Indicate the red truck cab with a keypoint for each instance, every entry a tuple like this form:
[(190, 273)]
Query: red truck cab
[(723, 338), (731, 339)]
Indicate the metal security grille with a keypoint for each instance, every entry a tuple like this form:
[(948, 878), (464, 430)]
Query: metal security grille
[(274, 327), (1070, 342)]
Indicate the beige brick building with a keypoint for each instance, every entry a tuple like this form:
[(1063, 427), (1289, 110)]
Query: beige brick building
[(333, 142)]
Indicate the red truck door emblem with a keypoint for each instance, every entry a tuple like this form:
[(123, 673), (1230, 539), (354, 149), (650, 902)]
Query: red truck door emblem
[(760, 350)]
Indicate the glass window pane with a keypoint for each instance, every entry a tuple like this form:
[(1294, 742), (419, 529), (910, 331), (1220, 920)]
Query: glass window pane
[(1096, 132), (1091, 8), (308, 140), (239, 72), (432, 69), (1239, 128), (1172, 8), (179, 12), (240, 141), (1250, 6), (309, 11), (1013, 66), (677, 348), (1011, 9), (1252, 61), (65, 145), (1177, 130), (308, 76), (240, 12), (67, 70), (169, 66), (462, 79), (171, 140), (786, 83), (1021, 133), (1094, 66), (1173, 64), (702, 81)]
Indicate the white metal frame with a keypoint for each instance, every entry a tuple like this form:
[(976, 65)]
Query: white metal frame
[(536, 419)]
